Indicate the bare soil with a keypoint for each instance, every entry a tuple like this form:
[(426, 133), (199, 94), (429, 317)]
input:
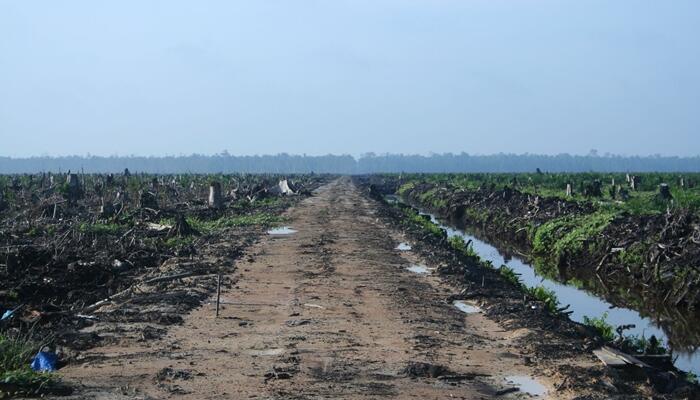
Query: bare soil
[(332, 312)]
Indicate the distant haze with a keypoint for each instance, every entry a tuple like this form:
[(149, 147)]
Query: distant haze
[(349, 77)]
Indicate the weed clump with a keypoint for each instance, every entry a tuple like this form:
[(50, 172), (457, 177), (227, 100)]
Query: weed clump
[(16, 354)]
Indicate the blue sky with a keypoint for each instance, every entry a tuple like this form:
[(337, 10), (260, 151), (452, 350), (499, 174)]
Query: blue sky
[(333, 76)]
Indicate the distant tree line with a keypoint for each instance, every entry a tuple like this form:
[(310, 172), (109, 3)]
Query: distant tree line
[(346, 164)]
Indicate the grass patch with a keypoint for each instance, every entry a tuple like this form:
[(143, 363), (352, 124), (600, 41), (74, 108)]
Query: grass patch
[(567, 235), (547, 296), (510, 275), (633, 255), (262, 219), (177, 242), (601, 325), (424, 222), (632, 343), (458, 243), (99, 228), (405, 188), (16, 353)]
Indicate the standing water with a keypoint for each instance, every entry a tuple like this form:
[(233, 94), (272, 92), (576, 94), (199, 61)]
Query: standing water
[(418, 269), (283, 230), (581, 302)]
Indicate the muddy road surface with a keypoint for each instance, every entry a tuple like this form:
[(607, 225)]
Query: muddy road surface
[(331, 311)]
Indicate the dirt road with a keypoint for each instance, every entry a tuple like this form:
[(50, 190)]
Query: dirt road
[(330, 311)]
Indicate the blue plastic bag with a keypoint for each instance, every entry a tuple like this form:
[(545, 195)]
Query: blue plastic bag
[(44, 362)]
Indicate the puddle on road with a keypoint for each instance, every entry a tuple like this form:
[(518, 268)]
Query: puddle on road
[(282, 230), (418, 269), (527, 385), (403, 246), (466, 308)]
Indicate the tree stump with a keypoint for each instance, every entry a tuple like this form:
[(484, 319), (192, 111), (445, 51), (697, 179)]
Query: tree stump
[(148, 200), (623, 193), (215, 198), (634, 182), (106, 209), (182, 227), (593, 189), (569, 190), (665, 191), (74, 191), (122, 196)]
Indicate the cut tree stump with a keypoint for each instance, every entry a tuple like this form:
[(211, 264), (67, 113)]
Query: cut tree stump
[(665, 191), (215, 198)]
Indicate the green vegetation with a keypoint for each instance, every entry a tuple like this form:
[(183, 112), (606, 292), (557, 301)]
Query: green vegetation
[(633, 343), (263, 219), (540, 293), (178, 242), (569, 234), (457, 243), (561, 234), (633, 255), (241, 206), (561, 228), (424, 222), (510, 275), (100, 228), (16, 353), (547, 296), (642, 200), (601, 325), (432, 199), (405, 188)]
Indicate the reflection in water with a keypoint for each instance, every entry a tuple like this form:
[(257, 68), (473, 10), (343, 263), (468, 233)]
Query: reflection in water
[(582, 303), (403, 247), (419, 269), (283, 230), (527, 385), (466, 308)]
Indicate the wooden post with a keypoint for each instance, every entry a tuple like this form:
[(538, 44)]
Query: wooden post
[(218, 294), (215, 199)]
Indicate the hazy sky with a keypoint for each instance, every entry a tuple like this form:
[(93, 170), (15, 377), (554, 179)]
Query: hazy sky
[(333, 76)]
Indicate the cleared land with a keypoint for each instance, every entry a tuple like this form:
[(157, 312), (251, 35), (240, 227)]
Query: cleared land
[(332, 312)]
